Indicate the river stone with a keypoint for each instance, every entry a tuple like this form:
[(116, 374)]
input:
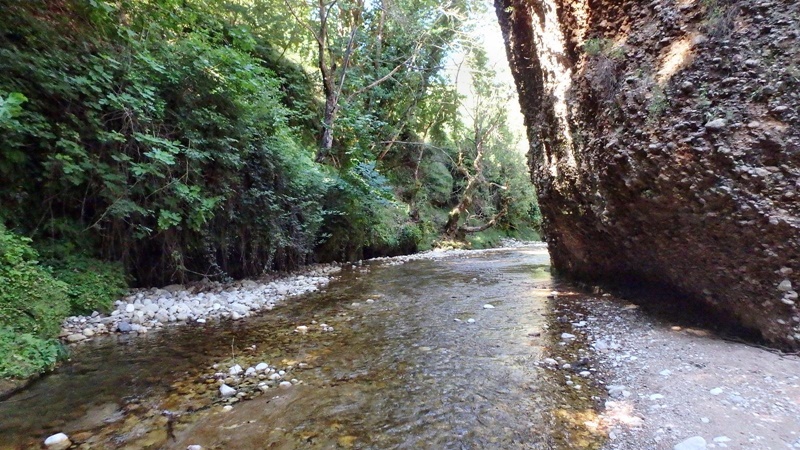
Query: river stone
[(716, 124), (785, 285), (567, 336), (693, 443), (75, 337), (235, 370), (488, 306), (124, 327), (59, 441), (226, 391), (285, 384), (260, 367), (194, 447)]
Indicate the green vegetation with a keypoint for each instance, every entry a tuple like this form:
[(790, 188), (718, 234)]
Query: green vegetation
[(32, 305), (159, 142), (658, 103), (720, 18), (603, 47)]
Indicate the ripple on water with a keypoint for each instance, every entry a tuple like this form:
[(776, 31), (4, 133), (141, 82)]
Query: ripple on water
[(398, 372)]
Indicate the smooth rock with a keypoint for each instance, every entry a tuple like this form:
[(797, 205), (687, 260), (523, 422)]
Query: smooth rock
[(194, 447), (235, 370), (130, 308), (693, 443), (124, 327), (488, 306), (716, 124), (715, 391), (75, 337), (567, 336), (260, 367), (58, 441), (470, 320), (785, 285), (285, 384), (227, 391)]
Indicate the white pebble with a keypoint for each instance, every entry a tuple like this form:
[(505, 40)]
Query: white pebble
[(227, 391), (58, 441)]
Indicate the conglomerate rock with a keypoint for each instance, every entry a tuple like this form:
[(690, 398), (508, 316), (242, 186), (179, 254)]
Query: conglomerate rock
[(665, 145)]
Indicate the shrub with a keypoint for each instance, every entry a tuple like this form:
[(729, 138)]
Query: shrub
[(31, 300), (92, 285), (23, 355)]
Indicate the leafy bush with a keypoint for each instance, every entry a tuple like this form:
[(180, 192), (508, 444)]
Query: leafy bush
[(363, 218), (23, 355), (167, 138), (31, 300), (92, 285)]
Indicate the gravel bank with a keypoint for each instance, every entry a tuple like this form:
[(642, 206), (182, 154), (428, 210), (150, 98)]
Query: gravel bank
[(671, 387), (144, 310)]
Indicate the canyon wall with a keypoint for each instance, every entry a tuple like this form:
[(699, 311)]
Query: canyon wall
[(665, 146)]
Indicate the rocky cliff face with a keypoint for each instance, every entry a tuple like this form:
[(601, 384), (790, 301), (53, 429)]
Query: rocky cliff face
[(665, 145)]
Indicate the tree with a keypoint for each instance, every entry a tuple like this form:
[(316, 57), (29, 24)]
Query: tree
[(485, 134), (360, 47)]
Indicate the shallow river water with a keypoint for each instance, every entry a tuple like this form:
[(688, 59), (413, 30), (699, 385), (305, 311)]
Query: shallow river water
[(405, 371)]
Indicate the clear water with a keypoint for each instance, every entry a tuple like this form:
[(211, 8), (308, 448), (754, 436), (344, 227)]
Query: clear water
[(398, 373)]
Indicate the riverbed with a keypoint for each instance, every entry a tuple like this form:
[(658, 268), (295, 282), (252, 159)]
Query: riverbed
[(434, 353)]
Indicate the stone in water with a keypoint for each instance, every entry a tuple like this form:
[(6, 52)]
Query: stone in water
[(58, 441)]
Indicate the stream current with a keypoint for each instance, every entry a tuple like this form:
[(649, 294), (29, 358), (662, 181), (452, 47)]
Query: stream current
[(407, 370)]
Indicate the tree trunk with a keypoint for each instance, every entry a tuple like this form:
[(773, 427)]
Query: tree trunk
[(326, 144)]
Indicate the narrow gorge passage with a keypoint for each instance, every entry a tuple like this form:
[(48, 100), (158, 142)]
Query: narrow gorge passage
[(426, 364)]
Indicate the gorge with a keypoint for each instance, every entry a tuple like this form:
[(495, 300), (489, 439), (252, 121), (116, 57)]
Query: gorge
[(665, 140)]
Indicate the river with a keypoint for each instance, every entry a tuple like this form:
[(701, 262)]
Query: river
[(404, 367)]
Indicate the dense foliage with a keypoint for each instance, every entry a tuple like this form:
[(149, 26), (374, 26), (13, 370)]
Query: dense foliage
[(32, 305), (157, 142)]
